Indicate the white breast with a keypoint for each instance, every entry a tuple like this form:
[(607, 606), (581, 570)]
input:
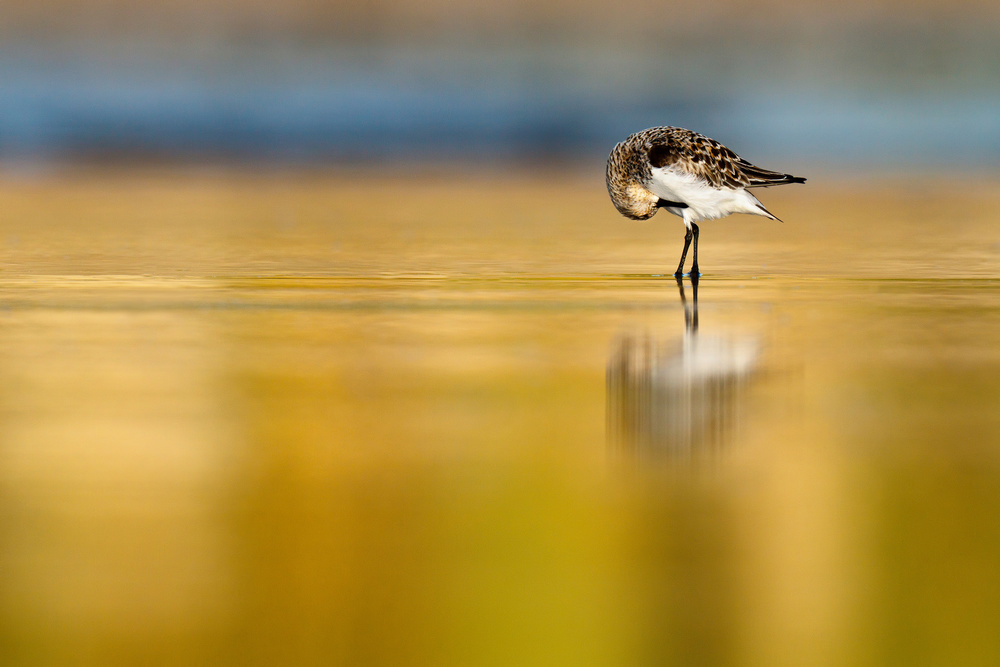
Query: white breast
[(705, 202)]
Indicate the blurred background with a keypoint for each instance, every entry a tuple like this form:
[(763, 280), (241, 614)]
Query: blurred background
[(845, 85)]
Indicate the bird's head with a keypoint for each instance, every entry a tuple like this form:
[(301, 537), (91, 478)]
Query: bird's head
[(624, 180), (635, 202)]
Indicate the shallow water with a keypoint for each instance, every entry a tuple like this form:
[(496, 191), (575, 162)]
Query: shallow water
[(314, 417)]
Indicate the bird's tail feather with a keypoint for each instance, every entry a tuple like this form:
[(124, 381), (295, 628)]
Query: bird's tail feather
[(756, 208), (768, 214)]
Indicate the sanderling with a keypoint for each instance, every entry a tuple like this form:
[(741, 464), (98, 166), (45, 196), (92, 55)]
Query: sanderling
[(688, 174)]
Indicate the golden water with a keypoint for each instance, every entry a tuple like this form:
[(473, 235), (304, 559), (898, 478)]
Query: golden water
[(315, 418)]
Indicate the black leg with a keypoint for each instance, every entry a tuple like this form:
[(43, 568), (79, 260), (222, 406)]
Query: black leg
[(694, 266), (687, 243)]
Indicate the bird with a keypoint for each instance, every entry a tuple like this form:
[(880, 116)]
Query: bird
[(688, 174)]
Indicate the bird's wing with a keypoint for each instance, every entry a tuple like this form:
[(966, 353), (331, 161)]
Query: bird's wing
[(762, 178), (709, 160)]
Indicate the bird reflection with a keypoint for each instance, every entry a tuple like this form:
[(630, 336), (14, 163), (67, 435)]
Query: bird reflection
[(680, 397)]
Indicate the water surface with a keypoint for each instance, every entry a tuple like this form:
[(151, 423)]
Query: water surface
[(319, 417)]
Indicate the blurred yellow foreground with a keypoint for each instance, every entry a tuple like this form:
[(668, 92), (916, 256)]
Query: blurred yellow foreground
[(329, 418)]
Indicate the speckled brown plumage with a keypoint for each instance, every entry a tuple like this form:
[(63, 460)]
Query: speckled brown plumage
[(631, 163)]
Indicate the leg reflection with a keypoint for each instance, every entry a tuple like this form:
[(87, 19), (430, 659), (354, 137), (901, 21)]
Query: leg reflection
[(676, 396), (690, 311)]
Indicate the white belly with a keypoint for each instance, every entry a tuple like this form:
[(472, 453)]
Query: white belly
[(704, 201)]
